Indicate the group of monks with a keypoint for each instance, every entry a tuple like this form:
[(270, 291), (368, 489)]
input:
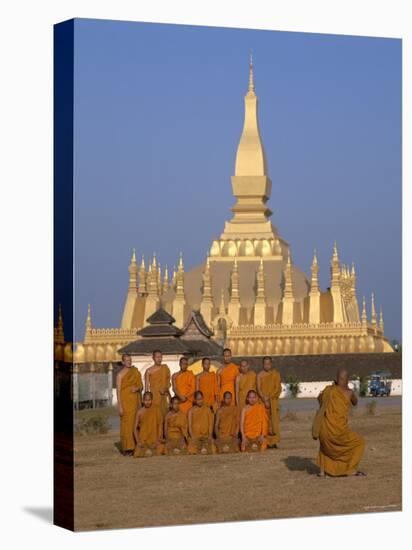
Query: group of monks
[(231, 410)]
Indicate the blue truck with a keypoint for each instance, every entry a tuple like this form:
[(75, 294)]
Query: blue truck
[(380, 384)]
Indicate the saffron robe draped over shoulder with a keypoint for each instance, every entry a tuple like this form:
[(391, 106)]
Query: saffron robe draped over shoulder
[(202, 420), (270, 386), (341, 449), (228, 374), (255, 423), (207, 383), (227, 429), (131, 402), (176, 433), (186, 384), (159, 381), (246, 383), (150, 426)]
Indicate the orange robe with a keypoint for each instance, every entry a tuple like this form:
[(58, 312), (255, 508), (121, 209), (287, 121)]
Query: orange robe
[(341, 450), (207, 383), (202, 420), (176, 433), (130, 401), (185, 385), (160, 381), (271, 388), (228, 374), (150, 426), (255, 424), (246, 382), (227, 429)]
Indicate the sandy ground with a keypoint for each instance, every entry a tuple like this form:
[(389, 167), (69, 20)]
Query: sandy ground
[(113, 491)]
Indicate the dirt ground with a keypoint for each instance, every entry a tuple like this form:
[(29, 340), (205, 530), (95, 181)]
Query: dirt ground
[(113, 491)]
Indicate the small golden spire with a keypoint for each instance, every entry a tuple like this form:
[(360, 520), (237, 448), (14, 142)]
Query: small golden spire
[(60, 317), (134, 256), (381, 326), (373, 310), (181, 266), (89, 318), (364, 316), (315, 258)]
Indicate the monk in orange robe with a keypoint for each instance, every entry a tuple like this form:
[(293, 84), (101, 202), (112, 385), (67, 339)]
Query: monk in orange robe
[(200, 425), (184, 385), (226, 375), (253, 425), (227, 426), (148, 430), (245, 381), (176, 429), (157, 381), (341, 450), (269, 389), (206, 382), (129, 399)]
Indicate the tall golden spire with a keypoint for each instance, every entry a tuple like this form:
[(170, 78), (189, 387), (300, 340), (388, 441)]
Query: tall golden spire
[(133, 271), (251, 158), (381, 325), (314, 285), (207, 283), (166, 280), (142, 277), (373, 310), (364, 317), (251, 82)]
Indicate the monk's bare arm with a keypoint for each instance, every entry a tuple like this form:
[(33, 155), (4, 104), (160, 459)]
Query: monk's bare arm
[(353, 398), (197, 382), (217, 419), (147, 380), (218, 377), (237, 389), (242, 425), (189, 422), (259, 388), (181, 397)]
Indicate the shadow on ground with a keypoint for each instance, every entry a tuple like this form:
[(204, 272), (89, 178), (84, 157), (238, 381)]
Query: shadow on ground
[(44, 513), (301, 464)]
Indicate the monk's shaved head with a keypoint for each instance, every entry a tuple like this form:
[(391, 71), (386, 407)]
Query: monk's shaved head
[(342, 377)]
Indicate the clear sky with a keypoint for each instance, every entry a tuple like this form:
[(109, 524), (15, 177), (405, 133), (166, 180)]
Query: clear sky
[(158, 117)]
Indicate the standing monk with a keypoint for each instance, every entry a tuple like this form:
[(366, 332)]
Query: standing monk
[(206, 382), (157, 381), (129, 399), (200, 424), (269, 389), (245, 381), (253, 424), (341, 449), (184, 385), (175, 429), (226, 375), (227, 426), (148, 430)]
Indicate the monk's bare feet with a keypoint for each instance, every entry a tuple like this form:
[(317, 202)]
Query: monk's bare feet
[(359, 474), (321, 474)]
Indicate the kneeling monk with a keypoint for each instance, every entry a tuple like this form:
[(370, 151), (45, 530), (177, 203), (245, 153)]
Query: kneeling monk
[(175, 428), (148, 428), (340, 450), (200, 420), (253, 424), (227, 426)]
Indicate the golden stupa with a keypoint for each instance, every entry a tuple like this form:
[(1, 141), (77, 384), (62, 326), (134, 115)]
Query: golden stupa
[(248, 291)]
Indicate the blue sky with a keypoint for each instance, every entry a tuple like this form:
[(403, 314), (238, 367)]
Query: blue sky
[(158, 117)]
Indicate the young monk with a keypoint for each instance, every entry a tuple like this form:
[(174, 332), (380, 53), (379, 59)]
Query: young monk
[(206, 382), (175, 429), (129, 399), (200, 425), (269, 389), (184, 385), (226, 375), (227, 426), (245, 381), (148, 430), (157, 381), (253, 424), (341, 449)]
